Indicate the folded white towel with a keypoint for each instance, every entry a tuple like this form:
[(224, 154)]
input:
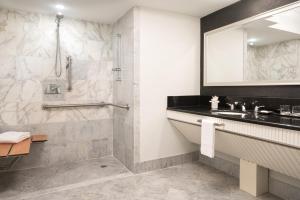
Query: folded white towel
[(13, 137), (208, 138)]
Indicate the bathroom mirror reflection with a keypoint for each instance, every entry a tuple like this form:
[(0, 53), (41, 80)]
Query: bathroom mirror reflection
[(263, 50)]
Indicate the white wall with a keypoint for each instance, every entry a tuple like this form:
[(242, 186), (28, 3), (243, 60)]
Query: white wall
[(169, 46)]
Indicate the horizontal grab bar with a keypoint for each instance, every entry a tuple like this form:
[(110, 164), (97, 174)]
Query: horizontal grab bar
[(216, 124), (102, 104)]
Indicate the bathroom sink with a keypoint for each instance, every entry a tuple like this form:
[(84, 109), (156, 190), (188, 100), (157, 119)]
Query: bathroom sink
[(230, 113)]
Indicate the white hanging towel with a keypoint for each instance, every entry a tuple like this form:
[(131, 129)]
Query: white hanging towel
[(13, 137), (208, 138)]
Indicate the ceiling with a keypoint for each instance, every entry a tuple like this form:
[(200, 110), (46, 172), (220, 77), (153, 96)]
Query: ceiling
[(108, 11), (277, 28)]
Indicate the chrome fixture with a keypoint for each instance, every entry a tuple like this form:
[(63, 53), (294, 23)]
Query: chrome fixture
[(216, 124), (231, 105), (69, 73), (117, 57), (243, 106), (102, 104), (256, 108), (58, 65), (53, 89)]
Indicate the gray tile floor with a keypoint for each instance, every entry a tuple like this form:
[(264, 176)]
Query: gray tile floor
[(185, 182), (39, 179)]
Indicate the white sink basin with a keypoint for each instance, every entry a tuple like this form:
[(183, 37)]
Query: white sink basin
[(230, 113)]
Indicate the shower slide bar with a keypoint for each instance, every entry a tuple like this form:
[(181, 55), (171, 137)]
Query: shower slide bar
[(102, 104)]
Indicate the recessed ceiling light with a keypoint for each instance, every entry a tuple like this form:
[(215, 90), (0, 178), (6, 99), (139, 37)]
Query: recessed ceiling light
[(252, 40), (60, 7)]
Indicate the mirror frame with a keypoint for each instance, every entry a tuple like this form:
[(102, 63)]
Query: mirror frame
[(239, 24)]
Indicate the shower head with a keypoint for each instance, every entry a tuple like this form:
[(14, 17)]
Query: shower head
[(59, 17)]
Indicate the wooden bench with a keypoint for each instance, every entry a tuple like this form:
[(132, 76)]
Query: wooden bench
[(20, 149)]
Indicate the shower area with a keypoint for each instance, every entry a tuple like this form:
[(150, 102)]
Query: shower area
[(72, 80)]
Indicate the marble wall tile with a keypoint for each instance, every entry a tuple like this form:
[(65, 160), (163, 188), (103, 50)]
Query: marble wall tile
[(33, 43), (79, 91), (31, 91), (80, 69), (27, 57), (101, 70), (100, 90), (8, 67), (17, 91), (9, 42), (30, 113), (91, 49), (8, 113), (75, 48), (34, 68), (279, 61), (85, 114), (9, 90)]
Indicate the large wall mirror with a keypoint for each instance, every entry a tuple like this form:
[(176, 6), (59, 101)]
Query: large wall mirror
[(261, 50)]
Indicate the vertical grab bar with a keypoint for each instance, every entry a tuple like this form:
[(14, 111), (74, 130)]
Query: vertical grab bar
[(118, 56), (69, 73)]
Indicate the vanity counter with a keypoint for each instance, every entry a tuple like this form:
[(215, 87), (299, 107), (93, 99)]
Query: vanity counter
[(261, 119)]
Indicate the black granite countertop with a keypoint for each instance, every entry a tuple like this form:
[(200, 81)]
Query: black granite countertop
[(272, 120)]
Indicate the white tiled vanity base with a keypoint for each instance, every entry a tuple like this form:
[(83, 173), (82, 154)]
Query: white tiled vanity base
[(278, 135)]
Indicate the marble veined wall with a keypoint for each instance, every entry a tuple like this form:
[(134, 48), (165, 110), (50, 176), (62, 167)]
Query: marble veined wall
[(123, 142), (27, 57), (279, 61)]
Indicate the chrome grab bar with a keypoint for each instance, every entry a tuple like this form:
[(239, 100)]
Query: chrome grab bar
[(216, 124), (102, 104)]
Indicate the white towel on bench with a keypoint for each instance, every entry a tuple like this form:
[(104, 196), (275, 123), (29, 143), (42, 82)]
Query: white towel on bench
[(13, 137)]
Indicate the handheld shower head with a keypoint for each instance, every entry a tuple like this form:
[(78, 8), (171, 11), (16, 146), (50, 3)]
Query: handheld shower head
[(59, 17)]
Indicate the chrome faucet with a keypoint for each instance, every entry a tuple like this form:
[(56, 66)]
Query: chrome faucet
[(243, 106), (231, 105), (256, 108)]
